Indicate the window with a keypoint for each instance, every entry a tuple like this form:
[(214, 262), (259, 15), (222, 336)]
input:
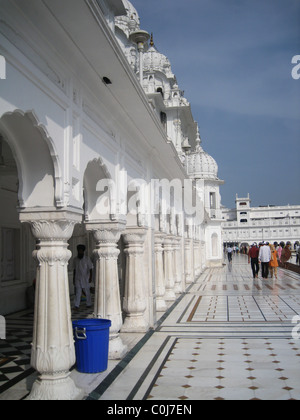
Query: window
[(10, 254), (163, 119), (243, 220), (159, 90), (212, 199)]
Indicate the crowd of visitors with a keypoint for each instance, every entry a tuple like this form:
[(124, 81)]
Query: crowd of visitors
[(266, 256)]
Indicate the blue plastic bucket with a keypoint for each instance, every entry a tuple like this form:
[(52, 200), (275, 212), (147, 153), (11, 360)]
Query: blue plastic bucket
[(91, 344)]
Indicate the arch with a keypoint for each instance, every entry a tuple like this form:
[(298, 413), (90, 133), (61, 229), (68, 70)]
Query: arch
[(99, 192), (39, 171)]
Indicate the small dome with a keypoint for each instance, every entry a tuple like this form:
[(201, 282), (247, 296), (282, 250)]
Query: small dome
[(155, 61), (200, 164), (130, 22), (203, 166)]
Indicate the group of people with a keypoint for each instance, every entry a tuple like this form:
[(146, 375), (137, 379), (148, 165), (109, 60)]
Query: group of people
[(269, 256), (266, 254)]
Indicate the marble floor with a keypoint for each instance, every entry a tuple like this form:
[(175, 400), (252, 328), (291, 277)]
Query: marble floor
[(229, 337)]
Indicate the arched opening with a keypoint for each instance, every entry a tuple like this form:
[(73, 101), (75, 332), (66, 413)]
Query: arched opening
[(97, 207), (160, 90), (40, 183), (98, 192), (17, 269), (29, 176)]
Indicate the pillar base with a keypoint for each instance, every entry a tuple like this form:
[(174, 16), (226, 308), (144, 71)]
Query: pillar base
[(117, 349), (161, 305), (63, 389), (170, 296), (135, 324)]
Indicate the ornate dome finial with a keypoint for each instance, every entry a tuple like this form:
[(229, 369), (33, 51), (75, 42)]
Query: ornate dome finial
[(151, 40), (198, 141)]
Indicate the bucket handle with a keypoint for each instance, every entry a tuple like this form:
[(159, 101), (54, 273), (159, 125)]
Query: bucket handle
[(82, 332)]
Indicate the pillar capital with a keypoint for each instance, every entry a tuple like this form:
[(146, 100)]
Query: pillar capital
[(51, 226), (107, 230), (135, 235)]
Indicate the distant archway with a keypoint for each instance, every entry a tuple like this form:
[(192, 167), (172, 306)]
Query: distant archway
[(98, 192)]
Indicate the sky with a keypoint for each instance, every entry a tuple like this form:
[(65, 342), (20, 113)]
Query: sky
[(233, 59)]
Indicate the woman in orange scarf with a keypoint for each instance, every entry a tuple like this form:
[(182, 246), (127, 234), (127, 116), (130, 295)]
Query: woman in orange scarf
[(273, 263)]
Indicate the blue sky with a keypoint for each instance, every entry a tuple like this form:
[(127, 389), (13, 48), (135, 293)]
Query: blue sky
[(233, 60)]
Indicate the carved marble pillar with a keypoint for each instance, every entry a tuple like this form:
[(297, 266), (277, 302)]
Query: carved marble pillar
[(169, 268), (53, 352), (135, 300), (107, 290), (197, 258), (161, 305), (188, 261), (178, 265)]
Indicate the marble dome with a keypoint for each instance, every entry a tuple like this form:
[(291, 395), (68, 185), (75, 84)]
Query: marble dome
[(155, 61), (200, 164)]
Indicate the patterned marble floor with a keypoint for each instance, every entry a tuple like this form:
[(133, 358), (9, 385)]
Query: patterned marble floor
[(228, 337)]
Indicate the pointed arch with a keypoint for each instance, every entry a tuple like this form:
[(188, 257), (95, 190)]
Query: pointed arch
[(98, 185), (39, 169)]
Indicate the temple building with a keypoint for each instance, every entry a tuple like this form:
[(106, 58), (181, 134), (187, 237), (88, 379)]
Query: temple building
[(98, 146), (245, 224)]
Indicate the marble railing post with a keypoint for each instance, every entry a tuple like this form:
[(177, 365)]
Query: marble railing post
[(161, 305), (135, 301), (53, 352), (107, 290)]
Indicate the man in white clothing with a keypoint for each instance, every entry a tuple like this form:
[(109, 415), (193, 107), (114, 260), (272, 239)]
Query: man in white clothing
[(265, 257), (83, 270)]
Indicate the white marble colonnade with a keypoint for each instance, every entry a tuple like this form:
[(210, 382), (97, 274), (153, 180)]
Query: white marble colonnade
[(53, 352)]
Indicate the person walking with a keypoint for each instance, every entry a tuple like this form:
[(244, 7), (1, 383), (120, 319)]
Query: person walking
[(286, 254), (265, 257), (229, 253), (297, 250), (253, 258), (83, 271), (279, 250), (273, 264)]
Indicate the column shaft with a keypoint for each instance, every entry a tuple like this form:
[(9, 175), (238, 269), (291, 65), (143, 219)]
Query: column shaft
[(107, 290), (135, 302), (53, 352)]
